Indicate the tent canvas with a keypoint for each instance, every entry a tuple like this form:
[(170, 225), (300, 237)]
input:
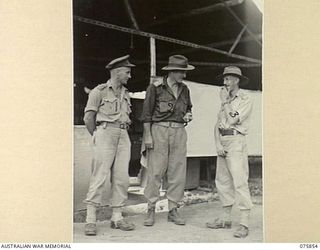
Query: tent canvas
[(206, 105)]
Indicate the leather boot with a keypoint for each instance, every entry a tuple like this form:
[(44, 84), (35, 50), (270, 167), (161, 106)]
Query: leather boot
[(149, 220), (90, 229), (241, 232), (219, 223), (123, 225), (175, 217)]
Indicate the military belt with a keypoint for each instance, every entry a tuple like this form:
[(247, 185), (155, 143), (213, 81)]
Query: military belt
[(170, 124)]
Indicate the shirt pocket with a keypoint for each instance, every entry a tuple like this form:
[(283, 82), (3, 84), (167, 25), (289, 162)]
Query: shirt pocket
[(166, 106), (166, 103), (110, 106)]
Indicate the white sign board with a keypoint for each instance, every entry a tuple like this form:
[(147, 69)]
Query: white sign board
[(206, 105)]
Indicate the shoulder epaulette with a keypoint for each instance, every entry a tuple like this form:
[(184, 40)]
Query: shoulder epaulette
[(101, 86), (244, 95), (184, 83), (157, 82)]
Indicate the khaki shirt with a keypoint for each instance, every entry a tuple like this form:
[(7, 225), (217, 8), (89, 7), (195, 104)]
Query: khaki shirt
[(109, 107), (161, 105), (242, 105)]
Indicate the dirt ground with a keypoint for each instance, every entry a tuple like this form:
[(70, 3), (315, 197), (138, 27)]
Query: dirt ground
[(167, 232)]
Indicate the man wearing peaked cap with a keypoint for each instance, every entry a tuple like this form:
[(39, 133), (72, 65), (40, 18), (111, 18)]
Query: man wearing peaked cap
[(107, 120), (120, 62), (232, 163), (166, 111)]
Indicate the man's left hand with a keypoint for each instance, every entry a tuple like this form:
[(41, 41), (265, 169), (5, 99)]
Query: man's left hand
[(188, 117)]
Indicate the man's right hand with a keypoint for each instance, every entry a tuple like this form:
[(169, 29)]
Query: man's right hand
[(148, 141), (224, 94), (90, 121), (221, 151)]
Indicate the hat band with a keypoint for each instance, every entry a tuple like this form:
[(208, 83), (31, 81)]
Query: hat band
[(232, 73), (178, 65)]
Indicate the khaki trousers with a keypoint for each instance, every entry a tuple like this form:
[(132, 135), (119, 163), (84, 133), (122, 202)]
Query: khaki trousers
[(111, 156), (233, 172), (168, 156)]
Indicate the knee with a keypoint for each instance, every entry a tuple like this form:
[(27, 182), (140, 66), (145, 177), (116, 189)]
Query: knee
[(155, 177), (223, 181), (121, 178), (177, 183), (122, 184)]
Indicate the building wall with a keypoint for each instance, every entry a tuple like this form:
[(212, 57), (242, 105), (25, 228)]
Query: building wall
[(206, 105)]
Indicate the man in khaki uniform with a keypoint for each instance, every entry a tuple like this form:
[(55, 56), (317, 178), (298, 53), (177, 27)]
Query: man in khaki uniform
[(107, 120), (166, 110), (232, 162)]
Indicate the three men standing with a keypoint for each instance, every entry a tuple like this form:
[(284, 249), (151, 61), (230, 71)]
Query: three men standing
[(166, 110)]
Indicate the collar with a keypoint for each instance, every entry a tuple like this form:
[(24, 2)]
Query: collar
[(109, 85), (165, 83), (240, 94), (124, 93)]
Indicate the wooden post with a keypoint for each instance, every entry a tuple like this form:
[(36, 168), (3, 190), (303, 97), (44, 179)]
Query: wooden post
[(153, 72)]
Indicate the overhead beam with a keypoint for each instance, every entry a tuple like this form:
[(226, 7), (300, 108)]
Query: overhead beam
[(214, 45), (164, 38), (195, 12), (240, 22), (162, 62), (204, 64), (237, 40), (131, 15)]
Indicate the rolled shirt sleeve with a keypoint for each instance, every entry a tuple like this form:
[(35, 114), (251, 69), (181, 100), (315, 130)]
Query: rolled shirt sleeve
[(94, 101), (149, 104), (244, 109)]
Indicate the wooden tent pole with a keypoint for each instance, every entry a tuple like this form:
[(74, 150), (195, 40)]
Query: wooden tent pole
[(153, 72)]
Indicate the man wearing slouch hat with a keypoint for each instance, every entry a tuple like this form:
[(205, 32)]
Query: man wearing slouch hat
[(232, 163), (166, 111)]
